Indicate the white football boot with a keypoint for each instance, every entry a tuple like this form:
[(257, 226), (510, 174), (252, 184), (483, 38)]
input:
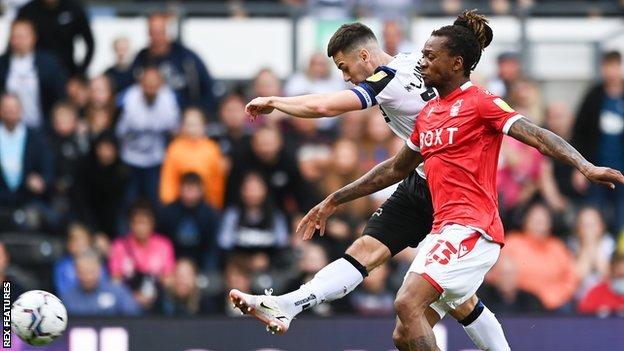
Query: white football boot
[(266, 308)]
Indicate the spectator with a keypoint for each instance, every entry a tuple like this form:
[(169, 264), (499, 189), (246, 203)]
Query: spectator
[(545, 266), (607, 297), (182, 69), (375, 146), (520, 168), (317, 78), (33, 75), (254, 225), (11, 273), (120, 73), (599, 136), (101, 95), (525, 97), (306, 133), (100, 186), (593, 247), (67, 145), (509, 72), (193, 151), (343, 169), (237, 275), (185, 298), (373, 298), (99, 120), (191, 223), (59, 23), (25, 163), (95, 295), (149, 112), (277, 167), (143, 260), (232, 132), (79, 242), (78, 93), (393, 39), (502, 293), (500, 7), (352, 126), (557, 186), (267, 83)]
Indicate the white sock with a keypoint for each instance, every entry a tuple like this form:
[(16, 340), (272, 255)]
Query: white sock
[(333, 282), (487, 333)]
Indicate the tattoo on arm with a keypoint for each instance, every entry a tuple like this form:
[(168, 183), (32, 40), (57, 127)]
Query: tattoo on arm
[(380, 177), (548, 143)]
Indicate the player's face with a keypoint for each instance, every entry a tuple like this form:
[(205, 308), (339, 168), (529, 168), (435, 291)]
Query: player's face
[(437, 64), (355, 65)]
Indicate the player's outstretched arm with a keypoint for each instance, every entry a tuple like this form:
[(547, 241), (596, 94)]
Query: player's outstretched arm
[(380, 177), (550, 144), (306, 106)]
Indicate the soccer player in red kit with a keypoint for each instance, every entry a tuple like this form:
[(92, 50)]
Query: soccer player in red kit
[(458, 135)]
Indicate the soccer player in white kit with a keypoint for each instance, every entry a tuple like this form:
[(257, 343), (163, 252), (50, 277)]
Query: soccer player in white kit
[(396, 85)]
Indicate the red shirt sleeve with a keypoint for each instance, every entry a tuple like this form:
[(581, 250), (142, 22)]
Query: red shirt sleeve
[(495, 112), (414, 141)]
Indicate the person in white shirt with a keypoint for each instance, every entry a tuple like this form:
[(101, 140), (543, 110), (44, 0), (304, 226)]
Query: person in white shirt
[(149, 111)]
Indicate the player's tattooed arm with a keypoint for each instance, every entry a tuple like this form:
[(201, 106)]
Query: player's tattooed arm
[(550, 144), (381, 176)]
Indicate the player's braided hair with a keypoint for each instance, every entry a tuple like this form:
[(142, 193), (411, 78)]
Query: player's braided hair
[(467, 37)]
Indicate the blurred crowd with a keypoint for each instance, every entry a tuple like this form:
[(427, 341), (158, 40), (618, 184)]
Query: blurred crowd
[(166, 196)]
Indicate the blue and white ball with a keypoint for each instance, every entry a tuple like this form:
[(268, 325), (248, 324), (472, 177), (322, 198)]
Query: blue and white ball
[(38, 317)]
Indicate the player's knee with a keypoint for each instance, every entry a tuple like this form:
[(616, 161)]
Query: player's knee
[(399, 336), (369, 251), (406, 306)]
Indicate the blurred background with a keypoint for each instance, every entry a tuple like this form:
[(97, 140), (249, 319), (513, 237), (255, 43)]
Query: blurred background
[(123, 121)]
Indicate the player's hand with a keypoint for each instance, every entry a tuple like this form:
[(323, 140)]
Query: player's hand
[(316, 218), (258, 106), (604, 176)]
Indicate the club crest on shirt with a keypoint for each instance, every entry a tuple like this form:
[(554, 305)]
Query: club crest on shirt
[(455, 108)]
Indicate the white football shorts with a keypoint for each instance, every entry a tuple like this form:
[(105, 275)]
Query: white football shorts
[(455, 262)]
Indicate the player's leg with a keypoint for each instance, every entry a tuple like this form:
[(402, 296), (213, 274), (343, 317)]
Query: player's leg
[(332, 282), (456, 278), (392, 228), (400, 333), (413, 330), (481, 325), (400, 222)]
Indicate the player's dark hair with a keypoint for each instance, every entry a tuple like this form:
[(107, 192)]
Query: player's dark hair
[(467, 37), (348, 37), (611, 56)]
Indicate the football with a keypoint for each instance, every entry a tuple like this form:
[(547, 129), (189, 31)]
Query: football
[(38, 317)]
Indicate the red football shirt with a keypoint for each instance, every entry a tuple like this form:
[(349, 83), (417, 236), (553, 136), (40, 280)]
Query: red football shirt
[(459, 137)]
